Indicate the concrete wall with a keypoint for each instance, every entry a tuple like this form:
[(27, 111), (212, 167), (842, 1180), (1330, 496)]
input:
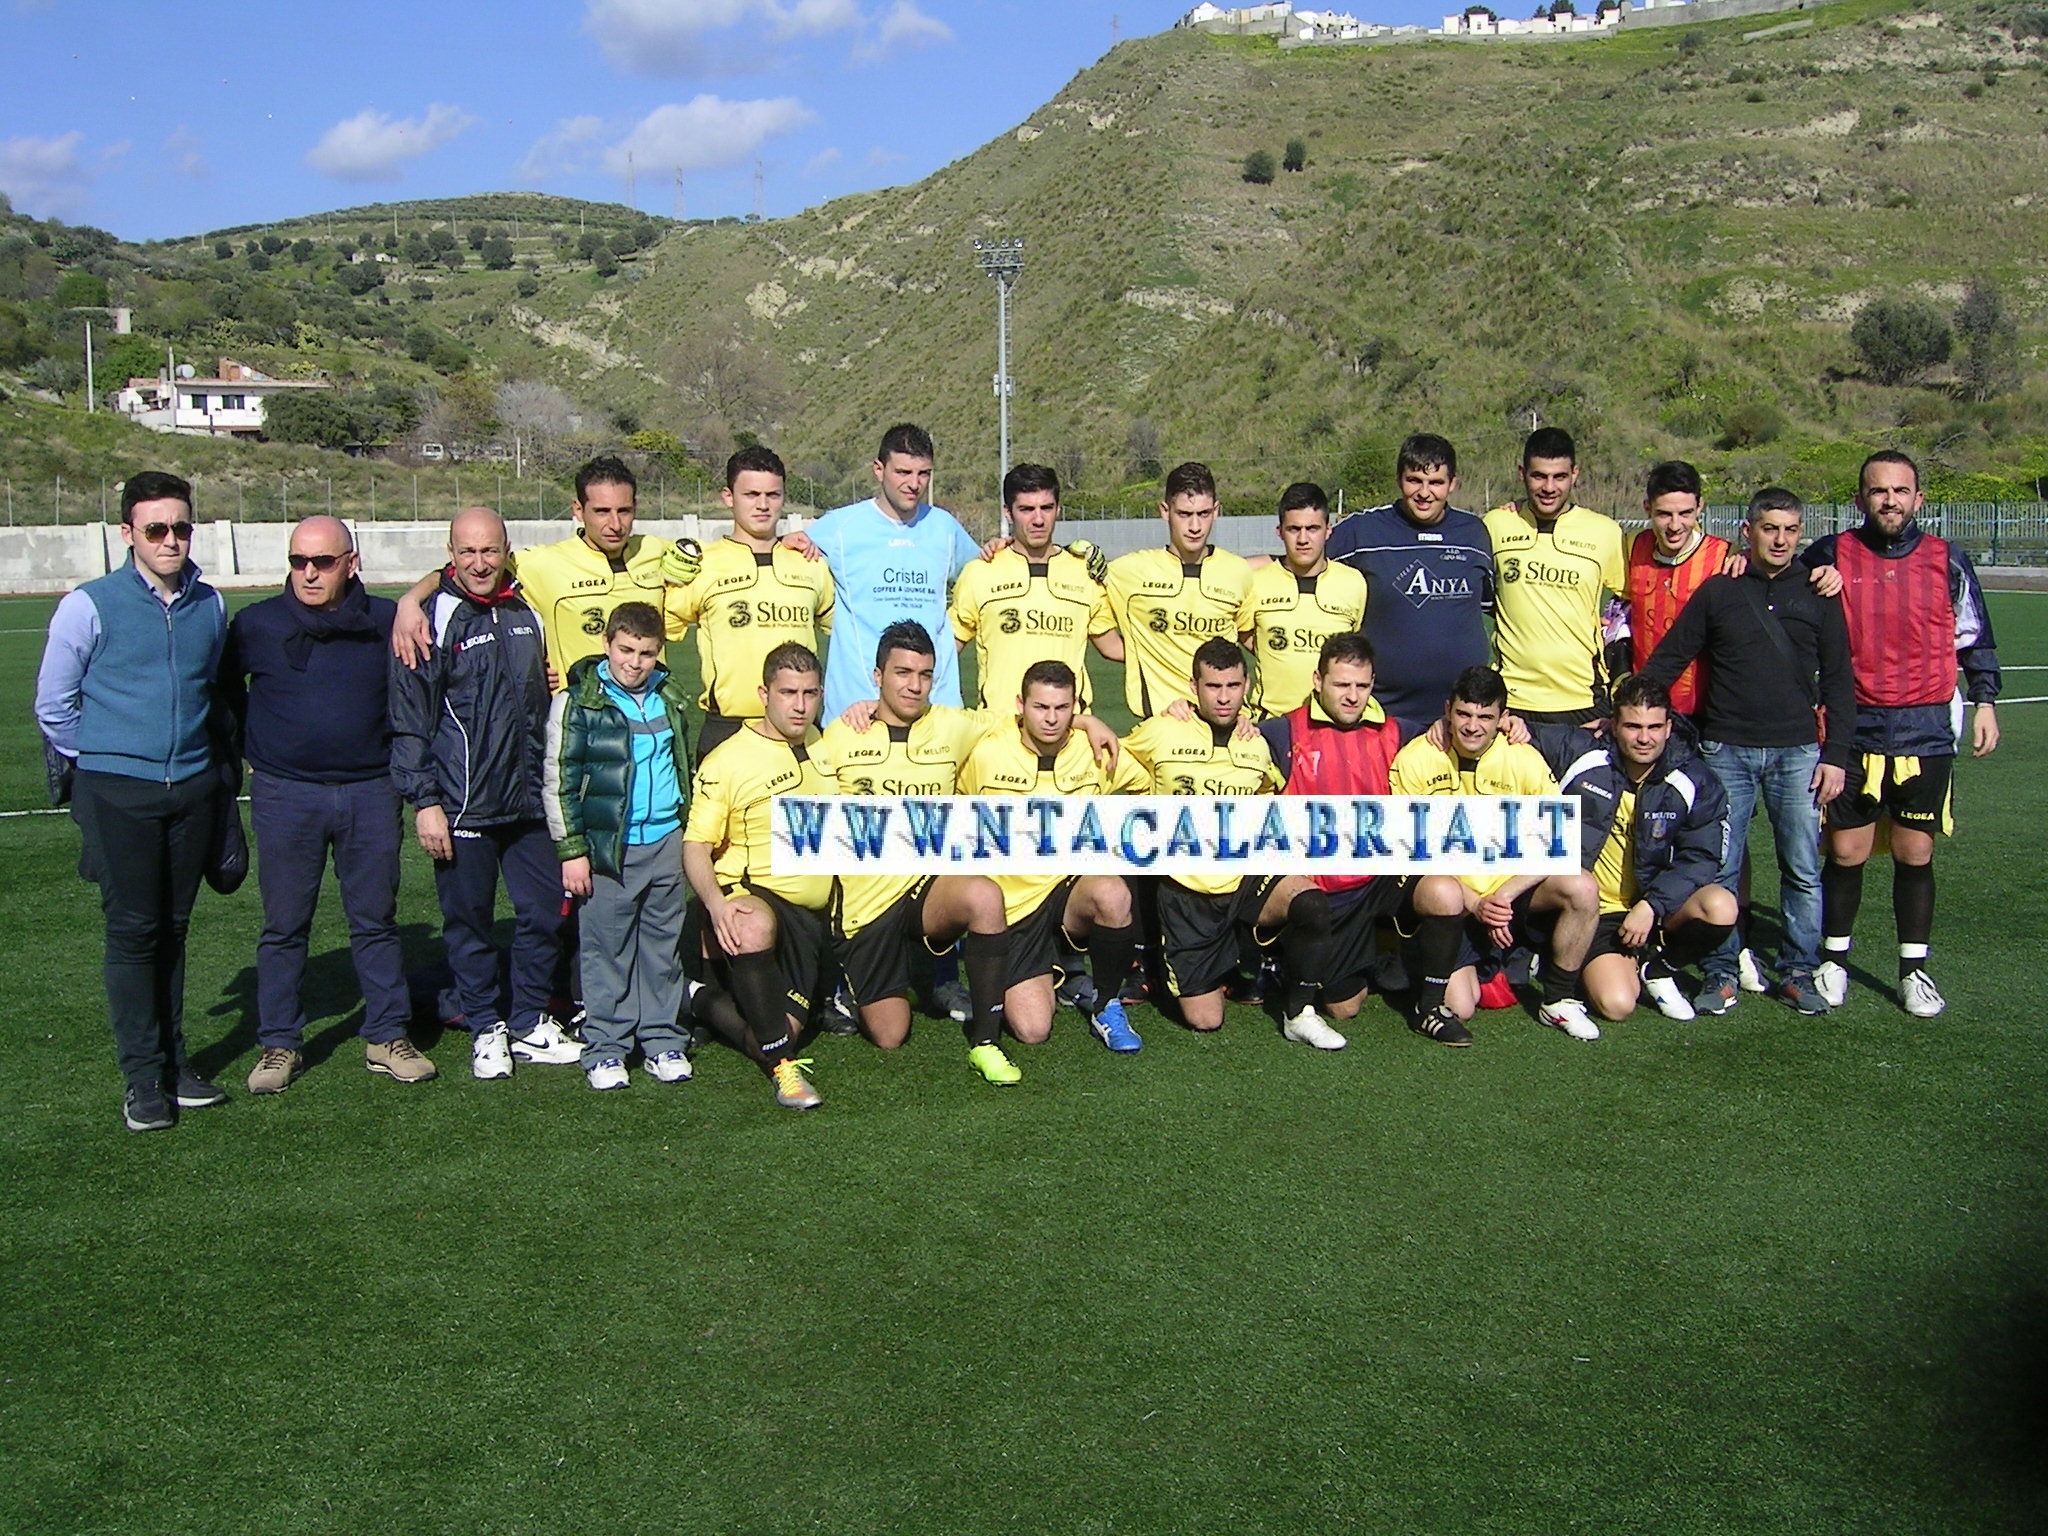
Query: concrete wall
[(1707, 10), (50, 559)]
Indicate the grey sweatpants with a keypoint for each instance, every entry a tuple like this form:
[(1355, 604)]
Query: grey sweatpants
[(632, 960)]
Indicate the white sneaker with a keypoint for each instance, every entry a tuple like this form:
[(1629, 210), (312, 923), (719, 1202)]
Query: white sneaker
[(1831, 981), (1663, 992), (1571, 1017), (668, 1067), (546, 1044), (1748, 974), (1920, 995), (490, 1053), (1308, 1028), (607, 1075)]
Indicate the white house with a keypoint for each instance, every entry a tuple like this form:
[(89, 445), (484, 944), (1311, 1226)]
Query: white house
[(227, 405)]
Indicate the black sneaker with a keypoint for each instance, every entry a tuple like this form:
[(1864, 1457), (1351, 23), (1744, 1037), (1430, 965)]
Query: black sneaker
[(195, 1092), (1442, 1026), (1250, 990), (1800, 995), (148, 1109), (1135, 988), (837, 1017), (1076, 992)]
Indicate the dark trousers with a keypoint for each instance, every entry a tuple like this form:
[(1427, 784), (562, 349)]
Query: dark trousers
[(468, 887), (147, 843), (297, 824)]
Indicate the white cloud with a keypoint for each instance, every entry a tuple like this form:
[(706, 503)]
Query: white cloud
[(681, 37), (880, 159), (373, 147), (821, 162), (182, 148), (44, 177), (707, 133), (571, 148), (906, 24)]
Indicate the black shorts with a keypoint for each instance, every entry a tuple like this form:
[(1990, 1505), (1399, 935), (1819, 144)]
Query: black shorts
[(876, 961), (1355, 917), (717, 729), (1597, 710), (1199, 933), (1607, 938), (1477, 949), (801, 952), (1921, 802), (1038, 941)]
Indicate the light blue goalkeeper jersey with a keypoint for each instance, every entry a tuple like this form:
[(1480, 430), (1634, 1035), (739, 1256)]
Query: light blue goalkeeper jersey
[(883, 571)]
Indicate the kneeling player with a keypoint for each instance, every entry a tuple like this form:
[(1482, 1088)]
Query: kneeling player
[(1046, 755), (1453, 914), (881, 921), (766, 931), (1340, 742), (1200, 915), (1653, 824)]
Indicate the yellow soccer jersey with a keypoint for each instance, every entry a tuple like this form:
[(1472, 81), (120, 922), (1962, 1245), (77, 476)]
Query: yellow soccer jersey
[(744, 605), (1166, 610), (920, 759), (574, 590), (730, 805), (1551, 589), (1004, 764), (1291, 618), (1018, 611), (1193, 757), (1615, 866), (1502, 769)]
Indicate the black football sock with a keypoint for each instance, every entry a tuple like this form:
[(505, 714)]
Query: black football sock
[(1112, 954), (985, 957), (1559, 984), (764, 1003), (1304, 951), (1841, 897), (1913, 911), (1689, 945), (1437, 942)]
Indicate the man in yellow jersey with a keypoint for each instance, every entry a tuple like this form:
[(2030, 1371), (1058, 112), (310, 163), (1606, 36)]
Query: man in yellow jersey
[(1298, 602), (765, 933), (1557, 564), (1046, 755), (574, 583), (1032, 601), (751, 597), (914, 747), (1200, 915), (1451, 916), (1653, 824), (1168, 601)]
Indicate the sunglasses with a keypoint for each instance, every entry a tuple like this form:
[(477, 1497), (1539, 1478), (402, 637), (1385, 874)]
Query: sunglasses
[(156, 533), (322, 563)]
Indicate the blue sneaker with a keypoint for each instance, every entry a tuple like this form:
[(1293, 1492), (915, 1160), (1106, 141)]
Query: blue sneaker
[(1114, 1030)]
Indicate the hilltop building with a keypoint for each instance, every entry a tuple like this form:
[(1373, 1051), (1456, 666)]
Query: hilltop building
[(1297, 28)]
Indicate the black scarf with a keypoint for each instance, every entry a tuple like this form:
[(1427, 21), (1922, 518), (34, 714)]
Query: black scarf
[(349, 617)]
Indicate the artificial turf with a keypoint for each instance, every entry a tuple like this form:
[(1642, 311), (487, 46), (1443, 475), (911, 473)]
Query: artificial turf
[(1755, 1273)]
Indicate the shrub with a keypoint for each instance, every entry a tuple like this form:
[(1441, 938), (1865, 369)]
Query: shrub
[(1899, 339), (1751, 425), (1258, 167), (1295, 156)]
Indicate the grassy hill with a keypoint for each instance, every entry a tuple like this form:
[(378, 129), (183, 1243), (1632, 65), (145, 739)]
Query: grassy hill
[(1657, 240)]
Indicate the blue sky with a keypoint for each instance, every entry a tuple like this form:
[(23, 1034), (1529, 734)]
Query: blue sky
[(179, 117)]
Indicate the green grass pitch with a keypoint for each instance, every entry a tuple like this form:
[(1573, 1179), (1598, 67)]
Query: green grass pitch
[(1753, 1274)]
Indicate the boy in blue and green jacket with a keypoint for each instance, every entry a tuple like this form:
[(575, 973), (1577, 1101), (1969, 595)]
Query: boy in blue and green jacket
[(614, 793)]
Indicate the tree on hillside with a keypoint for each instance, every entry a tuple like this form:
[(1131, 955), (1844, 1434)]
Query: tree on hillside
[(539, 412), (1258, 167), (272, 244), (1295, 156), (604, 261), (317, 417), (730, 382), (77, 290), (440, 240), (1900, 339), (223, 249), (1991, 342), (497, 254), (302, 251), (1142, 450)]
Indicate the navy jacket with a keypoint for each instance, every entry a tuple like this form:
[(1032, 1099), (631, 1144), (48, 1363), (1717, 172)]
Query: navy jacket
[(1681, 812), (469, 727), (311, 690)]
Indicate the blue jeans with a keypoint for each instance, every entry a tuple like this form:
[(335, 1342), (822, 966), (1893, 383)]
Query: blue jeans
[(297, 826), (1782, 777)]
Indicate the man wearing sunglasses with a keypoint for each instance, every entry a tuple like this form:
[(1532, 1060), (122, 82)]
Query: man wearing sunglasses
[(123, 699), (306, 676)]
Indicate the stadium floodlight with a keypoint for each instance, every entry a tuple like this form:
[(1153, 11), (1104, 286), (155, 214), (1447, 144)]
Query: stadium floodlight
[(1002, 260)]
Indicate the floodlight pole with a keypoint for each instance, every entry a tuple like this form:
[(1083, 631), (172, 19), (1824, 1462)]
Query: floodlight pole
[(1002, 260)]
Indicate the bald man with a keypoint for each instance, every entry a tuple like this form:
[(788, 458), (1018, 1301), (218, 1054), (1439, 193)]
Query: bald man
[(304, 679), (468, 740)]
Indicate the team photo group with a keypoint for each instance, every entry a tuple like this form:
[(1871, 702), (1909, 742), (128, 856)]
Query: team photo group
[(525, 708)]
